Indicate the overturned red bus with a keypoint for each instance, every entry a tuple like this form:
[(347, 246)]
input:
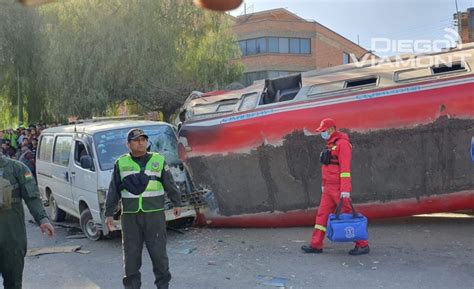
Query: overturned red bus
[(410, 120)]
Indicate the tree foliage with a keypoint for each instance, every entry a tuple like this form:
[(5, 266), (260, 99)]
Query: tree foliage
[(84, 57), (20, 62)]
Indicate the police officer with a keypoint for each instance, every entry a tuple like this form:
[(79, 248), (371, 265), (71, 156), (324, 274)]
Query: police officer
[(140, 180), (17, 184), (336, 178)]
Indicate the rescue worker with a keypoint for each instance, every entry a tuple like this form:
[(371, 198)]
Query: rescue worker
[(17, 184), (336, 184), (140, 180)]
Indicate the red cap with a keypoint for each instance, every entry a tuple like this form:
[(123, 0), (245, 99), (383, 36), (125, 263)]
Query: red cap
[(325, 124)]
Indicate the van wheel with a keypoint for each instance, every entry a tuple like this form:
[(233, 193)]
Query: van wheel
[(89, 227), (57, 215)]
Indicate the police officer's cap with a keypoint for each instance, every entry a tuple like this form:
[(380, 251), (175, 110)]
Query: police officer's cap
[(135, 133)]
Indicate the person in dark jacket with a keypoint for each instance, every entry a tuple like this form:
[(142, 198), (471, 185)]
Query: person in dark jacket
[(17, 185), (140, 179), (7, 150)]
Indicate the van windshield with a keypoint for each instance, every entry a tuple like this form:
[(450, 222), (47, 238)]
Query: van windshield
[(112, 144)]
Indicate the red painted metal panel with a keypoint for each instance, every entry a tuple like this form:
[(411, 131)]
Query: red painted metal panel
[(395, 111), (441, 203)]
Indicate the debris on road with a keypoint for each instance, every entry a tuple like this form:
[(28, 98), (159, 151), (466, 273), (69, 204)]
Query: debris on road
[(272, 281), (55, 250)]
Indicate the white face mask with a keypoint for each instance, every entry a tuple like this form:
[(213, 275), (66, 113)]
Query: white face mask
[(325, 135)]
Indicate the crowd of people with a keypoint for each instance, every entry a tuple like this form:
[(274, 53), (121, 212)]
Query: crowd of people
[(21, 144)]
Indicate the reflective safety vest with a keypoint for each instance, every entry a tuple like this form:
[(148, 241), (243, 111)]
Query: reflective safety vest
[(153, 198)]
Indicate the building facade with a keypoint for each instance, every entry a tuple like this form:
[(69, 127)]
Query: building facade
[(465, 22), (277, 42)]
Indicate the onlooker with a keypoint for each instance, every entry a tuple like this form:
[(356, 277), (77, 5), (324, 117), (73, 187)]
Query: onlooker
[(7, 150), (25, 141), (22, 136), (33, 132), (28, 158), (34, 145), (12, 140), (12, 137)]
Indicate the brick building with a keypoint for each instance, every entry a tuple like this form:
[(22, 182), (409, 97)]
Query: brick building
[(277, 42), (465, 25)]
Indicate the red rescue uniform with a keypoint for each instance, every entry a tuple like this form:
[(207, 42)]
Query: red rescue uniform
[(336, 178)]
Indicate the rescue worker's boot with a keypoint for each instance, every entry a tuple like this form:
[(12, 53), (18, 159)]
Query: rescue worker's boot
[(310, 250), (359, 251)]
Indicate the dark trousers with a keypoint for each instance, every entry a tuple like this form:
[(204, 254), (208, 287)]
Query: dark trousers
[(12, 248), (11, 267), (148, 228)]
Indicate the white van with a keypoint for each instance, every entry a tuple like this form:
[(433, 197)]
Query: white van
[(74, 166)]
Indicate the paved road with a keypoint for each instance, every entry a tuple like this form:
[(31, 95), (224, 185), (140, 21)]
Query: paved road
[(418, 252)]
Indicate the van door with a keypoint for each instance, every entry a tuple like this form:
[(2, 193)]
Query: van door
[(61, 175), (44, 157), (84, 179)]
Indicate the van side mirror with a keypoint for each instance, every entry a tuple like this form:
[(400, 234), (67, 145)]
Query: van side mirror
[(86, 162)]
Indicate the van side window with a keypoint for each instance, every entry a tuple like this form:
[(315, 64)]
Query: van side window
[(46, 148), (62, 150), (79, 152)]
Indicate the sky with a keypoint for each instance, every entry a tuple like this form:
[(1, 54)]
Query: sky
[(394, 23)]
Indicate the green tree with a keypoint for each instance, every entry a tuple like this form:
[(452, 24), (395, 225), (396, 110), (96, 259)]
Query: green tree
[(20, 64), (102, 52), (84, 57)]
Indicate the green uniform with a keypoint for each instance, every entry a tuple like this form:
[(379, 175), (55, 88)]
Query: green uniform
[(12, 218)]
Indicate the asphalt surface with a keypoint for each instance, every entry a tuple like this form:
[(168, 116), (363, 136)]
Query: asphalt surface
[(417, 252)]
